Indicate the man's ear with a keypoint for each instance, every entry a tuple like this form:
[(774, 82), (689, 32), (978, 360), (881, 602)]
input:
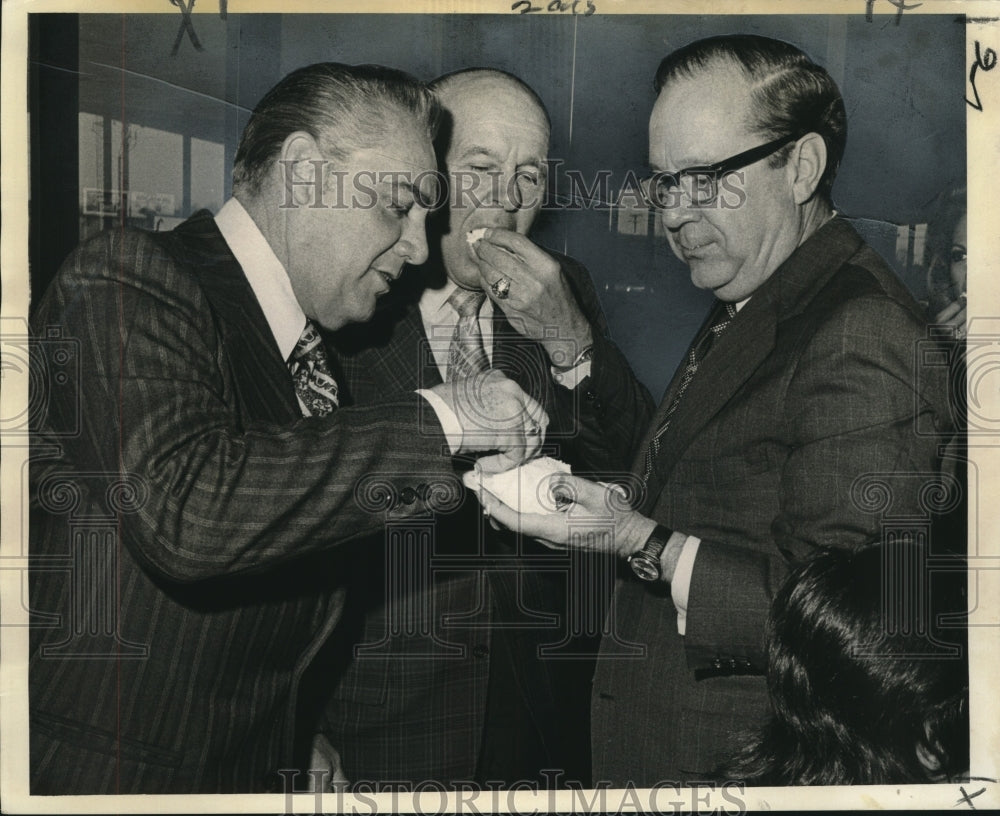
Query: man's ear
[(301, 171), (807, 163)]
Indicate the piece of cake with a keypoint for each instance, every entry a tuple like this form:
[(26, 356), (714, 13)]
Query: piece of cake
[(472, 236)]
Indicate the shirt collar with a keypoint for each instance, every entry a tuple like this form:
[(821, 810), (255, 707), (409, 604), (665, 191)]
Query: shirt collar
[(436, 310), (266, 275), (434, 304)]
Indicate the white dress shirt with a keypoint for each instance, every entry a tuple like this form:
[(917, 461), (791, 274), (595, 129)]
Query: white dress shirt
[(440, 318), (265, 273)]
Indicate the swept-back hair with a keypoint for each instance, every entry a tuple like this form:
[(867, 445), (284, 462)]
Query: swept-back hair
[(344, 107)]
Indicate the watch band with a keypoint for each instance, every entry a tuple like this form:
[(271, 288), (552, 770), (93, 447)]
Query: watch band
[(645, 563)]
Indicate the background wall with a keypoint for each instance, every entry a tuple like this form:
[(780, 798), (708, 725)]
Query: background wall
[(903, 82)]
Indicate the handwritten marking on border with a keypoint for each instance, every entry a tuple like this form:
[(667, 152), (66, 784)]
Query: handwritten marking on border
[(899, 4), (987, 60)]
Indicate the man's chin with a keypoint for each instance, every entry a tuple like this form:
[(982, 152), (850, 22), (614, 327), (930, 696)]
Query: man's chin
[(362, 314), (467, 275), (709, 276)]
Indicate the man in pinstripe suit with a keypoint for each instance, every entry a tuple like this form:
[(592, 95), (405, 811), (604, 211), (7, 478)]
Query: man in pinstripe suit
[(447, 682), (192, 473)]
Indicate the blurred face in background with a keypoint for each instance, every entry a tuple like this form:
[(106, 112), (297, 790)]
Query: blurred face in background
[(959, 253)]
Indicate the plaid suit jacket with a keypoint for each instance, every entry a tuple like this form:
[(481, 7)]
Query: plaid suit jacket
[(410, 704), (184, 518), (812, 387)]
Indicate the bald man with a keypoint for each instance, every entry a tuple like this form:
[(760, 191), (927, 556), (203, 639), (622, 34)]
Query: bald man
[(446, 681)]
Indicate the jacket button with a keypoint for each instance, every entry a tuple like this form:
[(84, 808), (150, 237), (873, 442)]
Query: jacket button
[(590, 394), (481, 651), (717, 663), (408, 496)]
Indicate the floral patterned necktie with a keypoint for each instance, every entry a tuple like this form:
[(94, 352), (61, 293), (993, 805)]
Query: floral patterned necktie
[(315, 387)]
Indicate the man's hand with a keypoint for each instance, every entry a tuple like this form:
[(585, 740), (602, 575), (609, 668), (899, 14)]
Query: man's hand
[(495, 415), (954, 315), (596, 517), (325, 766), (539, 298)]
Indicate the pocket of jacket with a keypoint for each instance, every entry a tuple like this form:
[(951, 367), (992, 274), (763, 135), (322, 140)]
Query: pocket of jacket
[(103, 741)]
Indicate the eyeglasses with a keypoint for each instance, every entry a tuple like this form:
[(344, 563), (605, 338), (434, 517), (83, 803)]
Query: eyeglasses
[(701, 183)]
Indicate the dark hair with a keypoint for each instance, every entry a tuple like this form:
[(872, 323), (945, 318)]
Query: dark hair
[(343, 107), (946, 211), (855, 692), (445, 80), (790, 94)]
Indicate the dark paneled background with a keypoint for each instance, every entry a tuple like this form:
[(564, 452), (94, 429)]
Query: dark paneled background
[(903, 82)]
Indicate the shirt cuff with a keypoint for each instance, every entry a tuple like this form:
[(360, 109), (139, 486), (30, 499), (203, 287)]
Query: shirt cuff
[(449, 422), (681, 585), (572, 378)]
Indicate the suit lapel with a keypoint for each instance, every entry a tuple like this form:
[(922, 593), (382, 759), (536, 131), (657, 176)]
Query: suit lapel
[(733, 358), (259, 373), (731, 361), (519, 358), (746, 344), (405, 361)]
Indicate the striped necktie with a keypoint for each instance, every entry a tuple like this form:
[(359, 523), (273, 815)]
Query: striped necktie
[(466, 354), (696, 354), (315, 387)]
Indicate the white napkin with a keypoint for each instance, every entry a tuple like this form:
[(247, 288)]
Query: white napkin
[(524, 488)]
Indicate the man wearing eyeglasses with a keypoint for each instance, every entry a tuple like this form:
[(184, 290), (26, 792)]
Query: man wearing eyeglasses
[(798, 397)]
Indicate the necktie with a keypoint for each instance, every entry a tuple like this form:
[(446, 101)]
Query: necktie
[(315, 387), (695, 355), (466, 354)]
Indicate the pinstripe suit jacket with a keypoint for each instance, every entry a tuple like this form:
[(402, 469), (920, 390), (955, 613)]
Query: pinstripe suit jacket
[(812, 387), (407, 709), (183, 517)]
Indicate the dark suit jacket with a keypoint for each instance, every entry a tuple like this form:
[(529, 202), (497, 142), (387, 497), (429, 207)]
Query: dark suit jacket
[(183, 517), (413, 706), (812, 389)]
